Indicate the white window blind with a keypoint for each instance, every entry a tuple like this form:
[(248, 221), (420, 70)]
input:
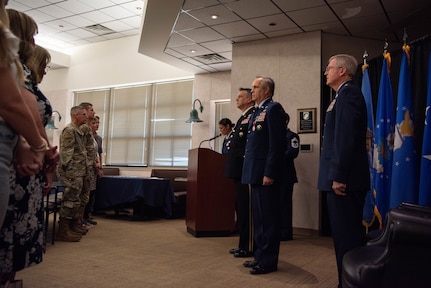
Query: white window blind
[(144, 125), (171, 135)]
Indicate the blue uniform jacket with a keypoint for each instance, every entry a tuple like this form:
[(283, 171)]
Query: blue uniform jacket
[(344, 156), (266, 143), (236, 146)]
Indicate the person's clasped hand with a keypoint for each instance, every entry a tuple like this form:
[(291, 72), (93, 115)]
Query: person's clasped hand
[(27, 161), (339, 188)]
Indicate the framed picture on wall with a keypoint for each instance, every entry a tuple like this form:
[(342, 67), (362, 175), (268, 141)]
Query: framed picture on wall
[(307, 120)]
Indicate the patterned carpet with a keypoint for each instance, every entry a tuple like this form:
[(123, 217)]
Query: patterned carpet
[(160, 253)]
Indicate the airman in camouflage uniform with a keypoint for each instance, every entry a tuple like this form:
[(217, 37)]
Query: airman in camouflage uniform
[(73, 169), (91, 155)]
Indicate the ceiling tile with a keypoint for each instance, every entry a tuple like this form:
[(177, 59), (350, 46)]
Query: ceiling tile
[(74, 7), (173, 53), (117, 12), (17, 6), (97, 17), (357, 8), (356, 25), (51, 1), (96, 39), (130, 32), (272, 23), (235, 29), (218, 46), (196, 4), (250, 9), (187, 50), (178, 40), (224, 15), (45, 30), (120, 1), (202, 34), (221, 66), (98, 4), (312, 16), (187, 22), (329, 27), (191, 61), (248, 38), (113, 36), (227, 55), (32, 3), (60, 25), (39, 17), (294, 5), (136, 7), (66, 36), (79, 21), (284, 32), (134, 21), (55, 10), (80, 42), (117, 26), (81, 33)]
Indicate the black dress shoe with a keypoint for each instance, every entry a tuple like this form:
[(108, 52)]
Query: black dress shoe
[(257, 270), (234, 250), (250, 264), (242, 254)]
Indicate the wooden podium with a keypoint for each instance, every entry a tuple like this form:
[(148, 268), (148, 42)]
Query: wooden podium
[(210, 209)]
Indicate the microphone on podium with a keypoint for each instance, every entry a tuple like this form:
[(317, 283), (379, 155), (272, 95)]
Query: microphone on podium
[(207, 140)]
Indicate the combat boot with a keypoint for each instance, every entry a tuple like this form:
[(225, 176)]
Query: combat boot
[(76, 227), (64, 233)]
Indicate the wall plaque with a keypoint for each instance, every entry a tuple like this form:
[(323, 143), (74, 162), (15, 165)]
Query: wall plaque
[(307, 120)]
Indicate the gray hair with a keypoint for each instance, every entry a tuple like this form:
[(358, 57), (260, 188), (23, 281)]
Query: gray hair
[(346, 61)]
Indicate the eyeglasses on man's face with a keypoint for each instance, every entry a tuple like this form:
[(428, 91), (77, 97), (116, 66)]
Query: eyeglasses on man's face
[(331, 67)]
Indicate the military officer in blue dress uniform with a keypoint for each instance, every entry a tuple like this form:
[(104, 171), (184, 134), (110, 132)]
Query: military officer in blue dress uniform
[(263, 170), (344, 174), (234, 163)]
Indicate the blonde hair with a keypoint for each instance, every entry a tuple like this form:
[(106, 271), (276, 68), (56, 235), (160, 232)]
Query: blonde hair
[(24, 27), (38, 59)]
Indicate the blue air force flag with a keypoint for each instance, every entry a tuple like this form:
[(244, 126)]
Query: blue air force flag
[(368, 213), (383, 144), (425, 180), (404, 184)]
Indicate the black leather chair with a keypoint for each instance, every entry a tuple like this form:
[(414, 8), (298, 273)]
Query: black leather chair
[(399, 257)]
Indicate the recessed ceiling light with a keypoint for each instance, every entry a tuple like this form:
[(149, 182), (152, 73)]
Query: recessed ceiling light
[(351, 12), (214, 16)]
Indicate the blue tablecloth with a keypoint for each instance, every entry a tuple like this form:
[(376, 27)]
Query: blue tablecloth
[(116, 190)]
